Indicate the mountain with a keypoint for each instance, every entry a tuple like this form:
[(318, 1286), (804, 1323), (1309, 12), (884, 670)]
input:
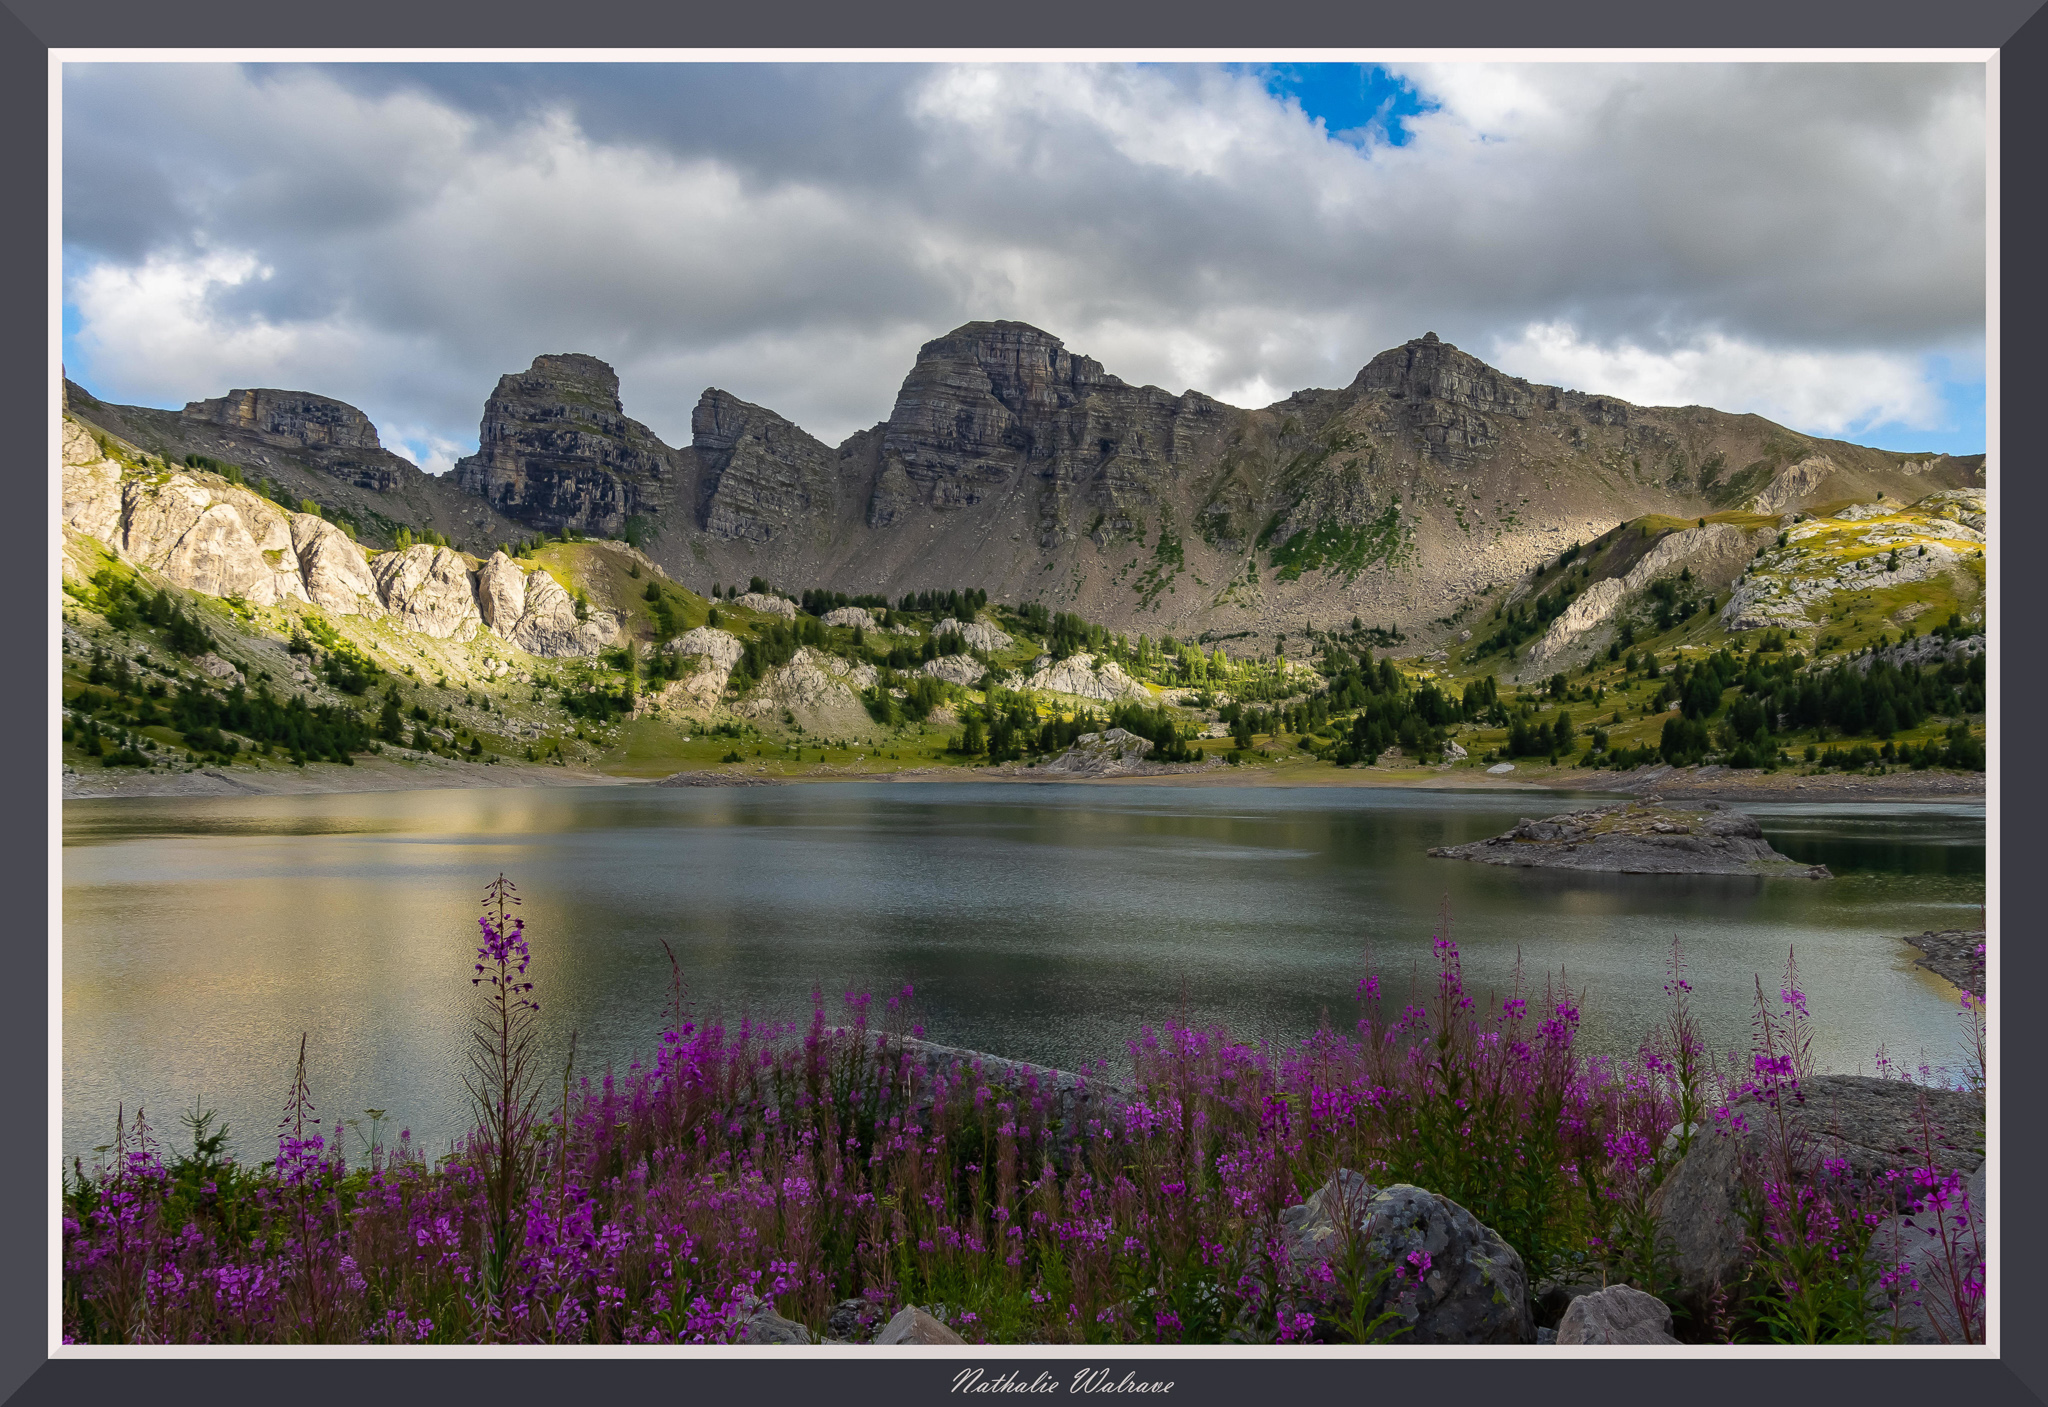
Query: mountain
[(1012, 464)]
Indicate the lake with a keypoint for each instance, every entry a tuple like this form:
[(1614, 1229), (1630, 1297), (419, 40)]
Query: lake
[(201, 937)]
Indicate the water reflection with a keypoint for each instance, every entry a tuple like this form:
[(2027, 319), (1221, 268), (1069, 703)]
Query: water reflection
[(201, 937)]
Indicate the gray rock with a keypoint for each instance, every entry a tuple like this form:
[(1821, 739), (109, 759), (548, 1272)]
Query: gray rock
[(428, 590), (1619, 1314), (913, 1325), (1876, 1125), (336, 575), (1924, 1304), (766, 605), (556, 449), (1453, 1280), (549, 627), (853, 1321), (1106, 754), (765, 1326), (501, 594)]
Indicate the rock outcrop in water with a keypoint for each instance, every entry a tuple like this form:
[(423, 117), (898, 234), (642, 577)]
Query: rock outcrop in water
[(1638, 838)]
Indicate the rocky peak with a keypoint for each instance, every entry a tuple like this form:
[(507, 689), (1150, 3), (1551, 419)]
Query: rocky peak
[(1430, 369), (556, 449), (990, 403), (295, 417), (758, 473)]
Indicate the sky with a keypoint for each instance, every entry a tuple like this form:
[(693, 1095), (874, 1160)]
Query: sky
[(1804, 241)]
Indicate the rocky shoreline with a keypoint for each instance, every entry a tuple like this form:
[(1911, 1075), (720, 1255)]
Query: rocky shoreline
[(1955, 955), (426, 773), (1638, 838)]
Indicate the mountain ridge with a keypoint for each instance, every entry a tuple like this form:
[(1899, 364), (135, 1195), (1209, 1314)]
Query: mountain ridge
[(1429, 481)]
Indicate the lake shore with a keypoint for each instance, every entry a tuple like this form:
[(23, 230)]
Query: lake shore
[(385, 773)]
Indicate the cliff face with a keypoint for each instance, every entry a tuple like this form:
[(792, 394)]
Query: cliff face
[(1001, 410), (758, 474), (556, 449)]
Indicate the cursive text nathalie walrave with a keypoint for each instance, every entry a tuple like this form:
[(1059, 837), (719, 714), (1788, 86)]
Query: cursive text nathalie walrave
[(1084, 1380)]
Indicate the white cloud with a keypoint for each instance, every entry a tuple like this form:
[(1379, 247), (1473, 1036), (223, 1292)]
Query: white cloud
[(1802, 237), (1824, 392)]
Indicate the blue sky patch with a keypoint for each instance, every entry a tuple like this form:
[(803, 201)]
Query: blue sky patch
[(1351, 99)]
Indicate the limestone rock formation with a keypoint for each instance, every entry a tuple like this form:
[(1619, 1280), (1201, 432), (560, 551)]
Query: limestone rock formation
[(1637, 838), (427, 589), (1875, 1125), (954, 669), (716, 651), (548, 625), (856, 617), (501, 594), (210, 537), (817, 690), (979, 634), (307, 446), (1793, 484), (1106, 754), (556, 449), (766, 604), (332, 567), (1453, 1280), (1080, 676), (91, 487), (1619, 1314), (1714, 554)]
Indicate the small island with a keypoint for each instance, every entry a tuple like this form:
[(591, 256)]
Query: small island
[(1639, 837)]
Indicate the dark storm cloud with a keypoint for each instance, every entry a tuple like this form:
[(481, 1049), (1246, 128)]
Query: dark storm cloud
[(401, 235)]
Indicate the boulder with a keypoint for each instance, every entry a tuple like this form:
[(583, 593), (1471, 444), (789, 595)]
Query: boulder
[(853, 1320), (856, 617), (336, 576), (1454, 753), (214, 667), (913, 1325), (1446, 1277), (1500, 769), (1877, 1126), (764, 1326), (428, 590), (1938, 1258), (1617, 1314)]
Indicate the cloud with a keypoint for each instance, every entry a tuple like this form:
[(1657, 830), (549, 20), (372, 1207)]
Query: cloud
[(400, 236), (1827, 393)]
